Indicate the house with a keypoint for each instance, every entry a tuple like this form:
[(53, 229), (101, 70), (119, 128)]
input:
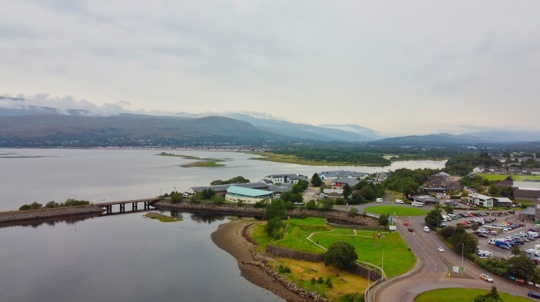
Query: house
[(340, 182), (284, 178), (535, 171), (329, 175), (481, 200), (479, 169), (247, 195), (515, 170)]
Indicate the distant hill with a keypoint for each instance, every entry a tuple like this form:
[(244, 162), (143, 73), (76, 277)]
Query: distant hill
[(30, 130), (366, 132), (304, 131), (430, 139)]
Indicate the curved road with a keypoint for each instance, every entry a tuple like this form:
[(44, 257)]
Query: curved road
[(437, 266)]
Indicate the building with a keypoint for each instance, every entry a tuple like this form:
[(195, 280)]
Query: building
[(247, 195), (481, 200), (340, 182), (502, 202), (284, 178), (221, 190)]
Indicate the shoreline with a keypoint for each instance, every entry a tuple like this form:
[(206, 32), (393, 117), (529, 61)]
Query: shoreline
[(229, 238)]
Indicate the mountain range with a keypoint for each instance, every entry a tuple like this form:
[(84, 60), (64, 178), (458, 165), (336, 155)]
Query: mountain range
[(37, 126)]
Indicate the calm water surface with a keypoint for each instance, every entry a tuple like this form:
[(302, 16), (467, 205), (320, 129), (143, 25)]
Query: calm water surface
[(124, 257)]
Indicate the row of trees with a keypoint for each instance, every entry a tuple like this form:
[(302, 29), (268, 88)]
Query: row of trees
[(53, 204)]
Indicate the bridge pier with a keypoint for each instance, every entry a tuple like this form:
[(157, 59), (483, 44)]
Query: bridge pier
[(107, 206)]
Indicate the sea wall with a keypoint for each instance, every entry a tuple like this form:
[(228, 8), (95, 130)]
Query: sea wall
[(250, 210), (49, 214)]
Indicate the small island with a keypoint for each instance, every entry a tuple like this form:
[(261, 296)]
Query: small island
[(202, 162)]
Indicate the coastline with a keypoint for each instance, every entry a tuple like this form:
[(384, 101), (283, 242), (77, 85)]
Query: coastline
[(229, 238)]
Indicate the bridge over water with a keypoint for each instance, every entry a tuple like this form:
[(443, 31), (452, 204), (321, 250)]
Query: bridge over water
[(146, 203)]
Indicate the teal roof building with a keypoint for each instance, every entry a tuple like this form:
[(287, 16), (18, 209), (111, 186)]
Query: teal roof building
[(248, 195)]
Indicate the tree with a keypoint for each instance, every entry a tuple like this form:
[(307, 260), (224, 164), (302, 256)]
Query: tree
[(346, 191), (176, 197), (352, 212), (492, 296), (368, 192), (434, 217), (328, 204), (207, 194), (493, 190), (383, 219), (340, 255), (311, 205), (316, 180), (276, 208), (272, 228), (520, 267)]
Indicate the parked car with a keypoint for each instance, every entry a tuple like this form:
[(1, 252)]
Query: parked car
[(440, 249), (482, 235), (399, 201), (410, 229), (486, 277), (533, 294), (426, 229)]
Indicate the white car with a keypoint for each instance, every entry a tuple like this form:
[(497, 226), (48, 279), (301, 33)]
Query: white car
[(379, 200), (399, 201), (440, 249)]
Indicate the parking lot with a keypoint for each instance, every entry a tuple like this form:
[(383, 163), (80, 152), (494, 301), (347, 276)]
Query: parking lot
[(520, 227)]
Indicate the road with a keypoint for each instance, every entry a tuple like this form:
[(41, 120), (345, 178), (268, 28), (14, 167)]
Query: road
[(434, 273)]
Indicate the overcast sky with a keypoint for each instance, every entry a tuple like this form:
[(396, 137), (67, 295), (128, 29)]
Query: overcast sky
[(398, 67)]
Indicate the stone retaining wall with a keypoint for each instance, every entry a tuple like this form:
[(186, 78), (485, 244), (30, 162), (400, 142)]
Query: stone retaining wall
[(293, 254)]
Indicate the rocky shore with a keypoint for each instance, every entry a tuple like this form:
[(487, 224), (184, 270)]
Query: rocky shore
[(230, 238)]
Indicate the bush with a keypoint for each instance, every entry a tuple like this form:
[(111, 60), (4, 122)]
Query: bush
[(320, 280), (25, 208), (284, 269)]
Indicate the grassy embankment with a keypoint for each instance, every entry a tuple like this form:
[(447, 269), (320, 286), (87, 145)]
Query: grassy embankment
[(462, 294), (368, 245), (201, 162)]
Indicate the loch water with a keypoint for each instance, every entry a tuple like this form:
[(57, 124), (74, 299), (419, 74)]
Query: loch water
[(125, 257)]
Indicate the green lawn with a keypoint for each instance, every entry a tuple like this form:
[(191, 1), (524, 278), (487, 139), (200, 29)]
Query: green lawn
[(462, 294), (399, 210), (496, 177), (369, 247), (397, 257)]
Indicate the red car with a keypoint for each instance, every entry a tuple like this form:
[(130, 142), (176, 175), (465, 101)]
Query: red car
[(406, 223)]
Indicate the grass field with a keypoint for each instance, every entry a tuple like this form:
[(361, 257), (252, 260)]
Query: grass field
[(399, 210), (369, 246), (497, 177), (462, 294)]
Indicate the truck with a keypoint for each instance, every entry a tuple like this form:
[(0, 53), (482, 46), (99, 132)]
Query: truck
[(486, 254), (534, 255), (417, 204), (503, 244)]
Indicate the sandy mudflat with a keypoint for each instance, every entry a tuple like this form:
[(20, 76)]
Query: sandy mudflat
[(229, 238)]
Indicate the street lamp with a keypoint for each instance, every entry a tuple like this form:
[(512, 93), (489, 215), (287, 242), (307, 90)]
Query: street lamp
[(382, 263), (462, 267)]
